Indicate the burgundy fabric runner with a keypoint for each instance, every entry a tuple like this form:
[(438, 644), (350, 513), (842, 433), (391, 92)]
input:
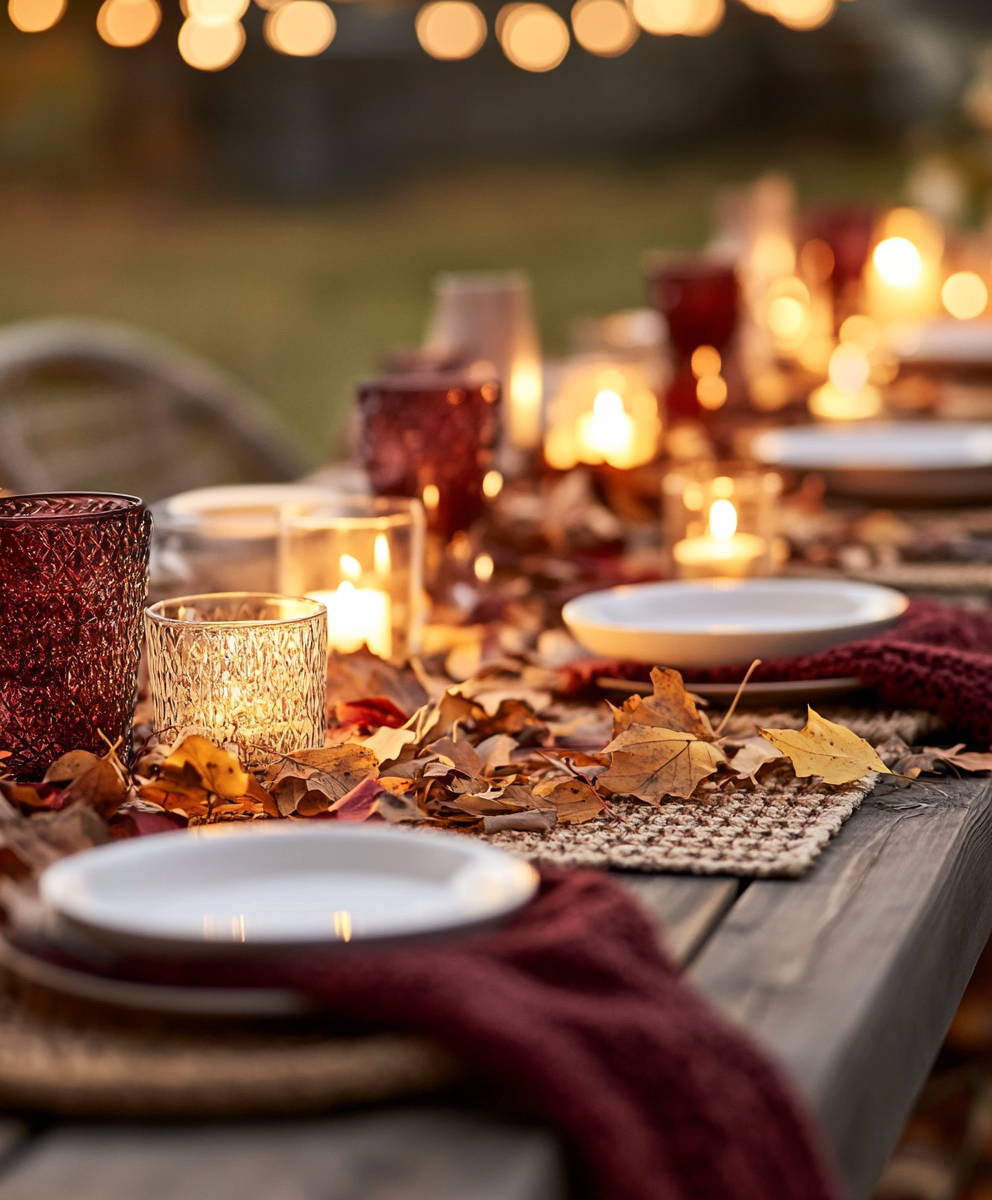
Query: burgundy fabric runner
[(937, 658), (576, 1008)]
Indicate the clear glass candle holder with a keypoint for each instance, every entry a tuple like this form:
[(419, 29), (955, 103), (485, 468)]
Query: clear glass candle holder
[(363, 558), (242, 667), (71, 593), (719, 521)]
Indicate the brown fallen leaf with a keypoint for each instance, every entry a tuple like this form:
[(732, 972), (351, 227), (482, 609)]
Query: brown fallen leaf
[(515, 718), (671, 707), (496, 751), (331, 771), (457, 754), (532, 821), (573, 800), (751, 757), (653, 764), (216, 770), (388, 744), (90, 779), (831, 751)]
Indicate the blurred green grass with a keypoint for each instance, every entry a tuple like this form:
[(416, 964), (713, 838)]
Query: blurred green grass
[(298, 303)]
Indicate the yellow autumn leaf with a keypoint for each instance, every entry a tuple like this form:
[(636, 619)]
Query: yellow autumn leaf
[(823, 748)]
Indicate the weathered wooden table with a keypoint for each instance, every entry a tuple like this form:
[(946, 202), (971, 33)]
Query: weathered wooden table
[(849, 978)]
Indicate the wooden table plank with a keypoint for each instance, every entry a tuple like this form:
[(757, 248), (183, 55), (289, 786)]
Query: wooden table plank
[(687, 907), (416, 1155), (851, 976)]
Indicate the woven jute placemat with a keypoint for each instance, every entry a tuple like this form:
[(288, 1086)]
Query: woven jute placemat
[(74, 1058), (752, 831)]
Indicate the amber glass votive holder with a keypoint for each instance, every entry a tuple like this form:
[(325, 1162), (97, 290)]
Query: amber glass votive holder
[(432, 437), (241, 667), (72, 588), (363, 558)]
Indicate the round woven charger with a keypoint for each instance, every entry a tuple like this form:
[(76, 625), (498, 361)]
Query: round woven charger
[(72, 1057)]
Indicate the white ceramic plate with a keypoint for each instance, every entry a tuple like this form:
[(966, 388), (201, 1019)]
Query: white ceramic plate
[(257, 887), (720, 622), (942, 340), (900, 459)]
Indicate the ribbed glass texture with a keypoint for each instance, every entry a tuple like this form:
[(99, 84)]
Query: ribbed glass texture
[(240, 667), (73, 573)]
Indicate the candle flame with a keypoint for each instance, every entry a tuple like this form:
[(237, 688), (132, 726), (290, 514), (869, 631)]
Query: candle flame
[(723, 519), (351, 568), (898, 262), (380, 555)]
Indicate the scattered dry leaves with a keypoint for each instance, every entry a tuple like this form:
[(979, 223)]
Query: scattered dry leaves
[(654, 764), (823, 748)]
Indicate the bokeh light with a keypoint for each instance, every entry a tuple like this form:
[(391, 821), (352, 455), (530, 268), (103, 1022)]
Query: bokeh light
[(849, 367), (492, 484), (711, 392), (898, 262), (533, 36), (216, 12), (603, 27), (451, 29), (210, 47), (705, 360), (801, 14), (34, 16), (664, 17), (862, 331), (706, 16), (128, 22), (965, 295), (302, 28)]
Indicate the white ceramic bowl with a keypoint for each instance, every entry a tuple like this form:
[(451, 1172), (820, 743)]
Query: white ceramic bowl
[(266, 886), (721, 622)]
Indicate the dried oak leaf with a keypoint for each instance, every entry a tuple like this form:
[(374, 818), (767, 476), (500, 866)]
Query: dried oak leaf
[(90, 779), (823, 748), (671, 707), (330, 770), (653, 763), (573, 800)]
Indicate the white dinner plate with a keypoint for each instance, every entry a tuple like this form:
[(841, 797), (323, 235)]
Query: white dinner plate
[(273, 886), (721, 622), (899, 459), (942, 340)]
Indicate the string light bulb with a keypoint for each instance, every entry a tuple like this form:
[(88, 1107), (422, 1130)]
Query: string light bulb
[(35, 16), (128, 23), (533, 36), (210, 47), (301, 28), (603, 27), (451, 29)]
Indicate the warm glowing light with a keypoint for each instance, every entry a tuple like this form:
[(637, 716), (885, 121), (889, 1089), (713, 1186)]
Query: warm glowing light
[(302, 28), (849, 367), (816, 260), (706, 16), (786, 316), (128, 22), (533, 36), (492, 484), (711, 392), (34, 16), (603, 27), (484, 568), (832, 404), (862, 331), (898, 262), (451, 29), (216, 12), (431, 497), (965, 295), (773, 254), (526, 391), (608, 430), (705, 360), (688, 17), (210, 47), (381, 557), (801, 14), (357, 617), (351, 568), (723, 519)]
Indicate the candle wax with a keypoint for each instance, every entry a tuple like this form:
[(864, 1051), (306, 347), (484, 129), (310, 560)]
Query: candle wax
[(357, 617), (734, 555)]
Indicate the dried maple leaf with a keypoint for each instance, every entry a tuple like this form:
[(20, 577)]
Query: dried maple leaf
[(90, 779), (671, 707), (754, 752), (331, 770), (652, 763), (823, 748), (216, 770), (573, 800)]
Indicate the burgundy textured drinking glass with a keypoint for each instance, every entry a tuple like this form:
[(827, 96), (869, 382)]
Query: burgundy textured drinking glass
[(698, 297), (72, 589), (430, 436)]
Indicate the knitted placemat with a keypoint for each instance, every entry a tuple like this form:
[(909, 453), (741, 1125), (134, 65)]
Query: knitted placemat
[(71, 1057), (757, 832)]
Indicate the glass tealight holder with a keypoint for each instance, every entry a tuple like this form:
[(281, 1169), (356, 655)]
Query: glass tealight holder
[(719, 521), (71, 593), (241, 667), (363, 558)]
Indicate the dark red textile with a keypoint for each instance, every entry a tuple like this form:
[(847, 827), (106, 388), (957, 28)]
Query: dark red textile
[(938, 658), (574, 1005)]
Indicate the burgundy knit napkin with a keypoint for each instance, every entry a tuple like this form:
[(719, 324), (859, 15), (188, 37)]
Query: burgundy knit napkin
[(938, 658)]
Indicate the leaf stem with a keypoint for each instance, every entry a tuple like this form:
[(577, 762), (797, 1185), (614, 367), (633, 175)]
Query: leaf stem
[(740, 691)]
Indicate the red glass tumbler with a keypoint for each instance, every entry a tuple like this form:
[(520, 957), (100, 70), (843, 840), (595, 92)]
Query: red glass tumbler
[(430, 436), (698, 297), (72, 589)]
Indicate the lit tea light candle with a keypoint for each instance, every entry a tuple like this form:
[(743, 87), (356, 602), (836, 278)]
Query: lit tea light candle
[(722, 550), (359, 616)]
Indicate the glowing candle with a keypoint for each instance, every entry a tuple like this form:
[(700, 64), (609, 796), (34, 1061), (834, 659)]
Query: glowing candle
[(359, 616), (722, 550)]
